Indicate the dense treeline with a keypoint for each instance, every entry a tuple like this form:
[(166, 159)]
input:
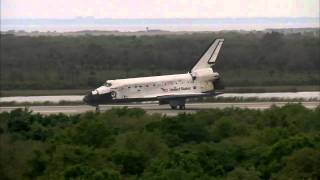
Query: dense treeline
[(277, 143), (85, 61)]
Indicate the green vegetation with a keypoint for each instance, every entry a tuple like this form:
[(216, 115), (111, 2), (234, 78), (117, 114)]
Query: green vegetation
[(84, 62), (277, 143)]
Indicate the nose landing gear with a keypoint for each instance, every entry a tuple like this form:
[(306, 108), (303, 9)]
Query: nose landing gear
[(181, 107), (97, 109)]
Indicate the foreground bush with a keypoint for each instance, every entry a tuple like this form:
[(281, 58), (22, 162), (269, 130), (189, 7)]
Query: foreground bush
[(231, 143)]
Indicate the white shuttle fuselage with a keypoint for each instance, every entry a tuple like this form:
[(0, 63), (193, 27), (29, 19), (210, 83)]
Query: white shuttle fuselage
[(167, 89)]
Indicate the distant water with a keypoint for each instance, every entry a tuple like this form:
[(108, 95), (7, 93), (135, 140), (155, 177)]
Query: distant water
[(291, 95), (213, 24)]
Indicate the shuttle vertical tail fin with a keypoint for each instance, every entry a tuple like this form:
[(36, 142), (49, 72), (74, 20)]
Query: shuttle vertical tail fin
[(208, 59)]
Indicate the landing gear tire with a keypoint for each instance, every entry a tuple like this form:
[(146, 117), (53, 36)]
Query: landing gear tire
[(97, 109), (177, 103), (182, 107), (173, 107)]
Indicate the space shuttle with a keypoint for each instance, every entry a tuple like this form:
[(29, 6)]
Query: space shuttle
[(174, 89)]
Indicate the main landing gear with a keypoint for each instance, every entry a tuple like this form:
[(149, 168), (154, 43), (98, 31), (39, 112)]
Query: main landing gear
[(180, 103), (181, 107)]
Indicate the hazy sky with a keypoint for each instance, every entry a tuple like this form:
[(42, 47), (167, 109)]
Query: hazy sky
[(158, 8)]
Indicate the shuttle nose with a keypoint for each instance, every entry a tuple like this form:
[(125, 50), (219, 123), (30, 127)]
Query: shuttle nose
[(88, 99)]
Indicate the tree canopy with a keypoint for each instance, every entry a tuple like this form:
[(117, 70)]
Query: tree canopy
[(231, 143), (246, 59)]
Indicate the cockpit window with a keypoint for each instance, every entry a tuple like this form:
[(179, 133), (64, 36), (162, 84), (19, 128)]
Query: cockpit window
[(107, 84)]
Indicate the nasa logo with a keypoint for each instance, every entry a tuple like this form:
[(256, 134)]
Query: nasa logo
[(113, 94)]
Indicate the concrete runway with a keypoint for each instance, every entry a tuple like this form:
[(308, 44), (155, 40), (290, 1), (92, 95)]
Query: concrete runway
[(155, 108)]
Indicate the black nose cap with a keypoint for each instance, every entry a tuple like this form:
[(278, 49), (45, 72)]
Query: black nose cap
[(87, 99)]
